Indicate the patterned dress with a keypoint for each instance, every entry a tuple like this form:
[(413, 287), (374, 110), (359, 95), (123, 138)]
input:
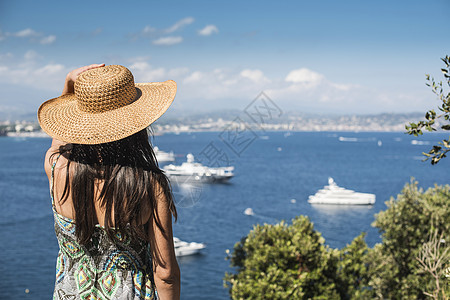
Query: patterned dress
[(101, 269)]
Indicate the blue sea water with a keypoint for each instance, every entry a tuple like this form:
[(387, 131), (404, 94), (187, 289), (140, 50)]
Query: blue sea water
[(271, 171)]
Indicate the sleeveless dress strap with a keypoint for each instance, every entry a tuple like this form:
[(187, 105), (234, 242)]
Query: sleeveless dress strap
[(51, 181)]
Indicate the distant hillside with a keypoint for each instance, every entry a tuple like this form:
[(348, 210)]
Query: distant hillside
[(231, 114), (291, 117)]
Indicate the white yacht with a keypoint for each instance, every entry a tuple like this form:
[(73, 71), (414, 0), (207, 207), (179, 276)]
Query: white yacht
[(191, 171), (184, 248), (162, 156), (333, 194)]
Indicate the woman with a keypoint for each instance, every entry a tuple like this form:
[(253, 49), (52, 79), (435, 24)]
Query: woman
[(112, 204)]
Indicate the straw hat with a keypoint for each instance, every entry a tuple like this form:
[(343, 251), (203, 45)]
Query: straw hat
[(107, 106)]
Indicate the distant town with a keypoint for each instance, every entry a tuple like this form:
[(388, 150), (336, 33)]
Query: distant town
[(240, 120)]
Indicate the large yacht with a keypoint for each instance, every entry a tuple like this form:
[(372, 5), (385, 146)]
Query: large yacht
[(191, 171), (162, 156), (184, 248), (333, 194)]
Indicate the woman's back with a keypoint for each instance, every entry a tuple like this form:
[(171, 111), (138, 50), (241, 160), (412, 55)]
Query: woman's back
[(102, 268), (56, 165)]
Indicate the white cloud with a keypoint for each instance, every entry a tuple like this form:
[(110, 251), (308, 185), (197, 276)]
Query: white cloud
[(30, 55), (50, 69), (194, 77), (31, 35), (180, 24), (144, 72), (305, 90), (161, 34), (303, 75), (26, 33), (148, 29), (140, 66), (220, 73), (48, 77), (168, 41), (208, 30), (221, 88), (343, 87), (158, 74), (254, 75), (48, 40)]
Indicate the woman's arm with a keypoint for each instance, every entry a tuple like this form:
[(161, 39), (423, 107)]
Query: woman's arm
[(165, 266)]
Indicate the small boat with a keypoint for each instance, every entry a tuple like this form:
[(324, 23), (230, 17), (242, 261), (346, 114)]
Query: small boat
[(162, 156), (184, 248), (333, 194), (191, 171), (249, 211)]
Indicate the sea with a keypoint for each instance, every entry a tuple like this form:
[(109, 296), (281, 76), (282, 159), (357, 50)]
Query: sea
[(275, 172)]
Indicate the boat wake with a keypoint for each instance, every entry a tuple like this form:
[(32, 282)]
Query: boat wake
[(347, 139), (420, 143), (249, 212), (354, 139)]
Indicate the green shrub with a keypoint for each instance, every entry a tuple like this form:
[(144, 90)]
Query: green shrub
[(292, 261), (409, 222)]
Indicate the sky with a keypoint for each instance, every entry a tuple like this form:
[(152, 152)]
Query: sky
[(323, 57)]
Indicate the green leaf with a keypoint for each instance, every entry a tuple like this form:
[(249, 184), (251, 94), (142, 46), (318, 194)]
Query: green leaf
[(436, 153)]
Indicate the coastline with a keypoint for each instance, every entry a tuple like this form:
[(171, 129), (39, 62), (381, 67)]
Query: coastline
[(41, 134)]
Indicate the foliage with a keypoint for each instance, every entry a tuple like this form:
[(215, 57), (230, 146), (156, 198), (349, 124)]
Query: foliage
[(292, 261), (405, 226), (352, 273), (433, 259), (438, 151)]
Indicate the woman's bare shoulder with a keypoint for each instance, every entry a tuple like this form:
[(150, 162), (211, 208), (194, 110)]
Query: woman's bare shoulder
[(50, 155)]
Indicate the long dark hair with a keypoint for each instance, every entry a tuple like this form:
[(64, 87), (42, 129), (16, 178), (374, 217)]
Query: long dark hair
[(132, 183)]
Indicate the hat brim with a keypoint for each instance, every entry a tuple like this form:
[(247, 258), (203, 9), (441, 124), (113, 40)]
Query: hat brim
[(62, 119)]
